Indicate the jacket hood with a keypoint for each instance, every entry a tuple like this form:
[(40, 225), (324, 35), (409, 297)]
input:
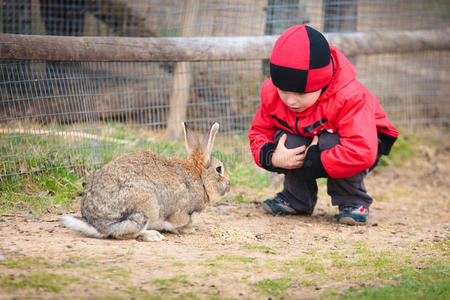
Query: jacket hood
[(344, 72)]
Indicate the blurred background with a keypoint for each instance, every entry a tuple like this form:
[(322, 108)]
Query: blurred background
[(82, 114)]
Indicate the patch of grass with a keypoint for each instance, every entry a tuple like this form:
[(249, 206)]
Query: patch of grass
[(401, 152), (77, 262), (135, 293), (334, 255), (169, 285), (240, 199), (236, 258), (322, 181), (310, 264), (243, 174), (274, 287), (29, 262), (38, 272), (188, 295), (430, 283), (39, 191), (42, 280), (359, 244), (337, 259), (114, 272), (371, 265), (376, 259), (229, 159), (443, 246), (132, 290), (306, 282), (24, 263), (265, 249), (172, 280)]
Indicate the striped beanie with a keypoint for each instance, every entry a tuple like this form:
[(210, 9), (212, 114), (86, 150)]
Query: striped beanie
[(301, 60)]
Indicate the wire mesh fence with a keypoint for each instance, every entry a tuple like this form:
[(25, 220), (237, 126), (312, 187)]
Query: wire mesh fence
[(81, 114)]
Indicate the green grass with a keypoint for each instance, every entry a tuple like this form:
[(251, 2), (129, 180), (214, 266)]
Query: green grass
[(265, 249), (170, 285), (309, 264), (274, 287), (39, 192), (237, 199), (443, 246), (402, 151), (25, 263), (42, 280), (235, 258), (58, 183), (245, 174), (33, 272), (429, 283), (28, 273)]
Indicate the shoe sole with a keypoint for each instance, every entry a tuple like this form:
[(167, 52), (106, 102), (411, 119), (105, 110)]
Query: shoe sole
[(267, 208), (350, 221)]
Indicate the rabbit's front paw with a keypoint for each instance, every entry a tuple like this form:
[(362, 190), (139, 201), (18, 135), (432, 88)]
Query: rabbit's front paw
[(150, 236)]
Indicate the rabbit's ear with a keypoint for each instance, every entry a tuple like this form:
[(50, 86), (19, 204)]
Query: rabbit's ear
[(190, 139), (208, 142)]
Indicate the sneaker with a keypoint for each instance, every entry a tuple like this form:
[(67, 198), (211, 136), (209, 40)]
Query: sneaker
[(279, 205), (353, 215)]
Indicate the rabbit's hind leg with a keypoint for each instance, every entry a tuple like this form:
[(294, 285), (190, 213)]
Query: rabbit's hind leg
[(182, 222), (129, 227), (162, 226), (189, 227)]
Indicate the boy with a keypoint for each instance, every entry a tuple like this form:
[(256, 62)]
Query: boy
[(316, 120)]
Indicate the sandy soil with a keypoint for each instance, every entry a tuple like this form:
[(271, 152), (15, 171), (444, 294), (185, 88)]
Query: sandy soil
[(239, 251)]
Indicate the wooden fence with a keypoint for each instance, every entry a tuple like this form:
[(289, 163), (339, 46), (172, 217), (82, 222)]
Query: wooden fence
[(190, 49)]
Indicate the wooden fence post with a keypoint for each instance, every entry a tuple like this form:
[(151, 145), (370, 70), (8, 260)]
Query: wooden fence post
[(179, 97)]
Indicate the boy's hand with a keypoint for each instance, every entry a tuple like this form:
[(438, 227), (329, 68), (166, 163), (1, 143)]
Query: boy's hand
[(290, 158)]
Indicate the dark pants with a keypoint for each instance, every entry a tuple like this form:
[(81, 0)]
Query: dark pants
[(301, 190)]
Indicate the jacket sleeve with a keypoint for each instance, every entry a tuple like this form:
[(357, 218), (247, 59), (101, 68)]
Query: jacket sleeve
[(358, 146), (261, 135)]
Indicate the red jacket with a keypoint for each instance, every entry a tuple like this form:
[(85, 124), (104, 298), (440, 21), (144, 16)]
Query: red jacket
[(346, 107)]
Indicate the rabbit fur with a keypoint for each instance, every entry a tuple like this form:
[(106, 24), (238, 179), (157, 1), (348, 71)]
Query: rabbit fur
[(139, 194)]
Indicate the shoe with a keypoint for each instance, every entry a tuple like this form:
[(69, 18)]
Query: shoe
[(279, 205), (353, 215)]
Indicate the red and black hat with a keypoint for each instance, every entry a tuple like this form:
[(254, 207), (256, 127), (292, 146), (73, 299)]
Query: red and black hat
[(301, 60)]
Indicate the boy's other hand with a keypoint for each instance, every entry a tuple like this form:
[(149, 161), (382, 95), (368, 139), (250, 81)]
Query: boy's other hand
[(290, 158)]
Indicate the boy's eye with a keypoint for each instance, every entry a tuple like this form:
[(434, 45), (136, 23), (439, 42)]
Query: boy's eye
[(219, 169)]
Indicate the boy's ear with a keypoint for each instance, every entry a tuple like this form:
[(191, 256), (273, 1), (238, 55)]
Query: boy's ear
[(190, 139)]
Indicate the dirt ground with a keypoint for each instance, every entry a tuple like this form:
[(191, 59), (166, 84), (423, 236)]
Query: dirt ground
[(239, 251)]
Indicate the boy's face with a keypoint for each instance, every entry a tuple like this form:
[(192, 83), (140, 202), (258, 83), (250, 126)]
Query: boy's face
[(298, 102)]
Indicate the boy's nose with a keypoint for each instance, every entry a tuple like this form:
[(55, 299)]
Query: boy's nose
[(291, 101)]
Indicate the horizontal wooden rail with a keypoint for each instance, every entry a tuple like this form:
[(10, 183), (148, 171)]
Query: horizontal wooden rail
[(68, 48)]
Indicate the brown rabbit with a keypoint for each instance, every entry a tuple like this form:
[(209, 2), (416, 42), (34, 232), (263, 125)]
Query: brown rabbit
[(141, 193)]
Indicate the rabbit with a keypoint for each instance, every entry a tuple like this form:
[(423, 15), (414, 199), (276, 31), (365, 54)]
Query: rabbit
[(140, 194)]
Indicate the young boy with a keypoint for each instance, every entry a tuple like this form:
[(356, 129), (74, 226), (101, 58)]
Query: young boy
[(316, 120)]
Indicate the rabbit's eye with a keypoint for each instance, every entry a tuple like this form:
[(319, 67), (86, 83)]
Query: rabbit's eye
[(219, 169)]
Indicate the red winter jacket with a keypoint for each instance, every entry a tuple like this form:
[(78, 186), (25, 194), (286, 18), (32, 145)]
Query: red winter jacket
[(346, 107)]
